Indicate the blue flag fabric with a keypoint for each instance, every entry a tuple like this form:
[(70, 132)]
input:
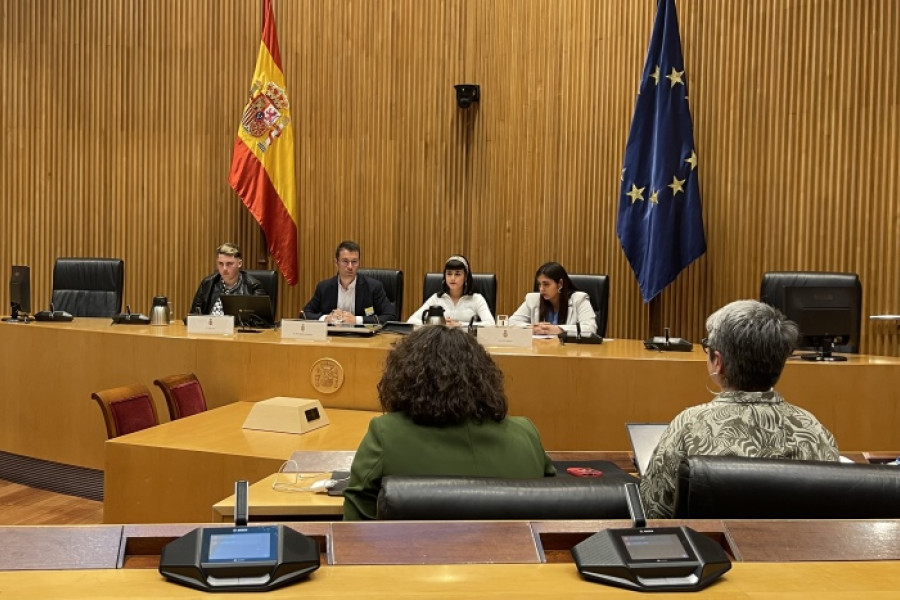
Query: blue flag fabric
[(660, 225)]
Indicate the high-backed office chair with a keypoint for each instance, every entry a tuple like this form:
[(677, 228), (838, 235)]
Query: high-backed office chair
[(597, 289), (423, 498), (184, 395), (774, 283), (392, 279), (735, 487), (88, 287), (269, 281), (126, 409), (482, 283)]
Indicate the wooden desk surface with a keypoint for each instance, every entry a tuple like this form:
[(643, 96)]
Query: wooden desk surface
[(579, 396), (291, 500), (220, 430), (176, 471), (752, 581)]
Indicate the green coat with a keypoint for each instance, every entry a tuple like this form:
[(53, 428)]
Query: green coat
[(394, 445)]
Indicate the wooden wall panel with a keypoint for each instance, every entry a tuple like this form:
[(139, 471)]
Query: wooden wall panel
[(120, 118)]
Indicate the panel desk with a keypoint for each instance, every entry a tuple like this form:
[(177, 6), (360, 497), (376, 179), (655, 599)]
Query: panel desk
[(174, 472), (517, 559), (579, 396)]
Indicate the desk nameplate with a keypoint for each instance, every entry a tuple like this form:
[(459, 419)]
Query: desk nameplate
[(301, 329), (505, 337), (210, 325)]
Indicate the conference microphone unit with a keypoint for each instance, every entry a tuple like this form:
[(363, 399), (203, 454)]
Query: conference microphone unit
[(567, 337), (668, 344), (130, 318), (53, 315)]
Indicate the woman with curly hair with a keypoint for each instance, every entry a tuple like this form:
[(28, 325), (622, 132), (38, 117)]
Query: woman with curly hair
[(445, 414)]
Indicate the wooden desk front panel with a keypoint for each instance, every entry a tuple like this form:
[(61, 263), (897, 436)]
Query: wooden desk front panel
[(750, 581), (579, 396)]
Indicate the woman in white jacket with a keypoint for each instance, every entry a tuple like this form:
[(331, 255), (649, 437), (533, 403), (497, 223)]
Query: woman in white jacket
[(457, 299), (557, 306)]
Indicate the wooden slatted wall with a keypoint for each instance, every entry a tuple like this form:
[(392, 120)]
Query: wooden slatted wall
[(119, 118)]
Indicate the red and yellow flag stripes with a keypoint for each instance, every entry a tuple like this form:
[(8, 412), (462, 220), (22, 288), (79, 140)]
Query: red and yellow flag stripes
[(262, 165)]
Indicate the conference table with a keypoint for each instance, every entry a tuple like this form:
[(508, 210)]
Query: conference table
[(506, 559), (175, 472), (579, 396)]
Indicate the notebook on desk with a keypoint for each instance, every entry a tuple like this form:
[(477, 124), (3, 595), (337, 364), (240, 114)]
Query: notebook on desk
[(644, 437)]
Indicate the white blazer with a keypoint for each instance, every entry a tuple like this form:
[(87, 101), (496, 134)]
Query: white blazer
[(580, 311), (463, 311)]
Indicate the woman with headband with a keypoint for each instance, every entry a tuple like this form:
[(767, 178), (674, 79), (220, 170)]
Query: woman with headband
[(457, 299)]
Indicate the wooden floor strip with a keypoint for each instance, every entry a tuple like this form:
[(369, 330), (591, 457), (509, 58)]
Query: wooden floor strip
[(22, 505)]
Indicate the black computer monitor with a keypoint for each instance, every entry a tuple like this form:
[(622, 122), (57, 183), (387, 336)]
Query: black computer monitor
[(825, 314), (19, 293), (249, 311)]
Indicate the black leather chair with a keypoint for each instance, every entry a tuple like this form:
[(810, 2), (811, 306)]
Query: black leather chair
[(392, 279), (269, 281), (482, 283), (728, 487), (88, 287), (772, 291), (597, 289), (472, 498)]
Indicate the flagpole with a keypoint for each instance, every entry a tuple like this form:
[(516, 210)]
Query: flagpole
[(654, 308)]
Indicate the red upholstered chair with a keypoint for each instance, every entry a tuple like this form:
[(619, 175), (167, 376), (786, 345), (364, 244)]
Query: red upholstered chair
[(183, 393), (126, 409)]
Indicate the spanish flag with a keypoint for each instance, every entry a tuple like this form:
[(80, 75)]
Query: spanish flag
[(262, 165)]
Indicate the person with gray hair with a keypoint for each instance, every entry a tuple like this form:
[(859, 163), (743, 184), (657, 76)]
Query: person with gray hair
[(747, 345)]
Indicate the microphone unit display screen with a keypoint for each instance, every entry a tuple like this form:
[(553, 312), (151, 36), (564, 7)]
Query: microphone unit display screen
[(655, 547), (257, 544)]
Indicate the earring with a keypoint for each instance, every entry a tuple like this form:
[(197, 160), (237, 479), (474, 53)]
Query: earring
[(560, 289)]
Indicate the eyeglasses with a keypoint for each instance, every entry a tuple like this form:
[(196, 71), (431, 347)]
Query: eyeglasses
[(348, 263), (704, 343)]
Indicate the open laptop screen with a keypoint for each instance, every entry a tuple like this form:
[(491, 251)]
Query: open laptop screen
[(643, 438)]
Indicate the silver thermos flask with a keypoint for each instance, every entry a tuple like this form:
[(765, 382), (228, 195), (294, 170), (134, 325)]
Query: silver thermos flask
[(159, 313)]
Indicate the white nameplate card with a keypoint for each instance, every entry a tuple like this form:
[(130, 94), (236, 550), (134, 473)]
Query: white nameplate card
[(210, 325), (505, 337), (300, 329)]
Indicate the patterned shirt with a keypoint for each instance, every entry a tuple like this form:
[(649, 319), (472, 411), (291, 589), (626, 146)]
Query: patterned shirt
[(754, 424), (217, 309)]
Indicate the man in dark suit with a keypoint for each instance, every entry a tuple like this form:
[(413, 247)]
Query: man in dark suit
[(349, 298)]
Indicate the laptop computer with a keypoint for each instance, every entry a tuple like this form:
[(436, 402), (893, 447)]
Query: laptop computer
[(401, 327), (644, 437), (249, 311), (353, 330)]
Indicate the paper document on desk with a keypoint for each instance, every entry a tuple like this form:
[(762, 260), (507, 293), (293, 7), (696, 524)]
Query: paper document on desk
[(320, 461)]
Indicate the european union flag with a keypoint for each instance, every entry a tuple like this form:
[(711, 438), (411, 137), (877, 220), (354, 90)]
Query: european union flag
[(660, 224)]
